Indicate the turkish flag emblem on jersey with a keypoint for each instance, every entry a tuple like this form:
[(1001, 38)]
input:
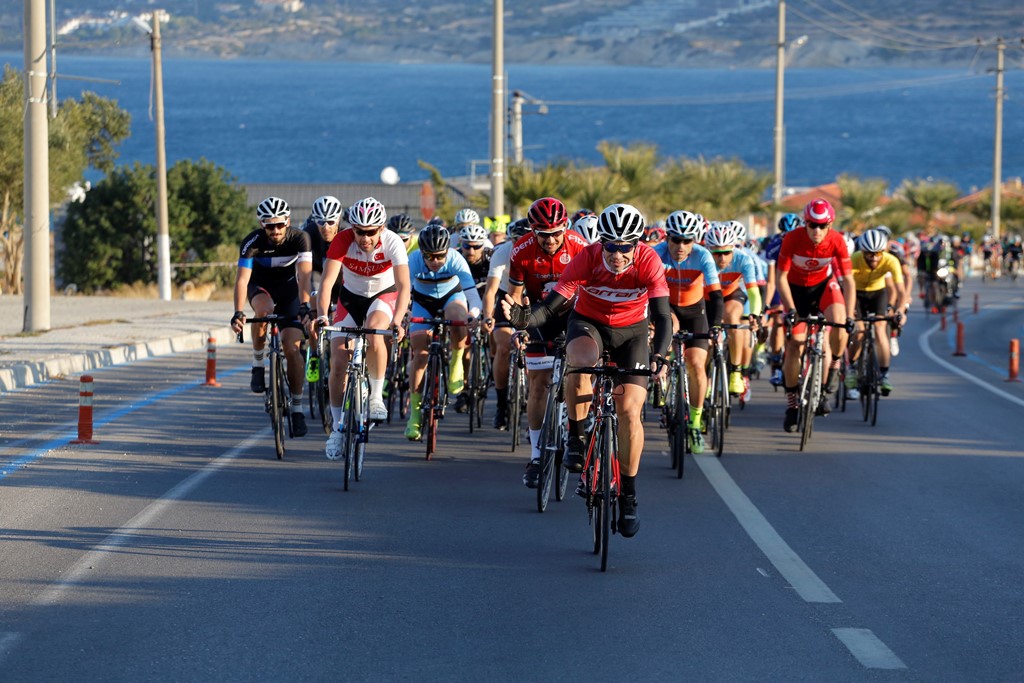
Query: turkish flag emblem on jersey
[(811, 263), (379, 256)]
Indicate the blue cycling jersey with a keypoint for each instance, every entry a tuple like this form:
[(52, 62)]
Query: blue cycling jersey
[(453, 276)]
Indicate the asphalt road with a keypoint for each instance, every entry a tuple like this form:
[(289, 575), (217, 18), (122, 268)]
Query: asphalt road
[(179, 548)]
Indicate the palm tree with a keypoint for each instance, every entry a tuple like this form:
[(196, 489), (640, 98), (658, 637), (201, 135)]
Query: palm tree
[(595, 188), (719, 189), (929, 198), (523, 185), (861, 201), (636, 165)]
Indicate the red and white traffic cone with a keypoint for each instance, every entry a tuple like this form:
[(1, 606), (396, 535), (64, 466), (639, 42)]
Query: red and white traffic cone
[(85, 411), (960, 340), (1014, 360), (211, 363)]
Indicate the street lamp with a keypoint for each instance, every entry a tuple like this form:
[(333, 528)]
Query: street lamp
[(518, 98)]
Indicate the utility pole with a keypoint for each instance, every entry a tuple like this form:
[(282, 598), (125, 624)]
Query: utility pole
[(780, 136), (37, 173), (163, 239), (997, 161), (53, 59), (498, 113), (517, 127)]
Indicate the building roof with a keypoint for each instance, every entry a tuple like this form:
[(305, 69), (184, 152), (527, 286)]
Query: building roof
[(1013, 187), (798, 200), (400, 198)]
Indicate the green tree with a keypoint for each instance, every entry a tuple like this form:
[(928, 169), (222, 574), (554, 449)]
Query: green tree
[(719, 189), (110, 237), (84, 134), (929, 197), (523, 184), (861, 201), (636, 165)]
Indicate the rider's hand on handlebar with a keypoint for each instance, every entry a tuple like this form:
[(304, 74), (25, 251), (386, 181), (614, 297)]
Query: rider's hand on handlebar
[(237, 321)]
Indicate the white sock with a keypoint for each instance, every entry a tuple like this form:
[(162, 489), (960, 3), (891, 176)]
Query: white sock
[(297, 400), (535, 444), (257, 358), (336, 414), (376, 389)]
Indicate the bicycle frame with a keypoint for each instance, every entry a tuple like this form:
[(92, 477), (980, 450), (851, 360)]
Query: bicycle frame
[(277, 393), (434, 390)]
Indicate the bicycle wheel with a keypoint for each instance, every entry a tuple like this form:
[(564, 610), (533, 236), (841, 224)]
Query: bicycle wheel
[(876, 389), (472, 383), (592, 477), (362, 431), (607, 494), (432, 401), (277, 404), (348, 426), (812, 392), (515, 399), (547, 453), (561, 474), (723, 396), (865, 382), (680, 427)]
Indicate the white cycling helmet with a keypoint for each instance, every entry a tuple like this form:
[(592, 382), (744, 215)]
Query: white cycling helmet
[(586, 227), (720, 236), (685, 224), (873, 241), (473, 233), (621, 222), (467, 217), (739, 231), (851, 245), (367, 213), (326, 208), (272, 207)]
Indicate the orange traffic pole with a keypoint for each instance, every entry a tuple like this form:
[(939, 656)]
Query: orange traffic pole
[(85, 411), (975, 303), (942, 325), (959, 340), (1014, 360), (211, 363)]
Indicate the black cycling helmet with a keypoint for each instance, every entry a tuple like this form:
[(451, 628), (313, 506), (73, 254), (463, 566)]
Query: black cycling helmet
[(434, 238), (517, 229), (401, 224)]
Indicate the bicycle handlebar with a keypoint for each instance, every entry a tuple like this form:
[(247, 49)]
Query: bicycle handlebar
[(355, 330), (611, 370), (439, 321), (272, 318)]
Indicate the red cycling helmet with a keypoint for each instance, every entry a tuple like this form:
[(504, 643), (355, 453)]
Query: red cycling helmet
[(547, 214), (819, 211), (654, 233)]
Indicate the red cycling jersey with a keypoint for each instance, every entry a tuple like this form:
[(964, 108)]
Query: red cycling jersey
[(809, 264), (614, 299), (537, 271)]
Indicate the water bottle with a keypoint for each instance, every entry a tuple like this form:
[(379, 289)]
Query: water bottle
[(312, 367)]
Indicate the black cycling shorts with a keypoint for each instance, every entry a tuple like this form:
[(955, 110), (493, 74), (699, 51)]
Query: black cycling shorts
[(876, 302), (285, 296), (693, 319), (628, 347), (500, 320), (548, 332)]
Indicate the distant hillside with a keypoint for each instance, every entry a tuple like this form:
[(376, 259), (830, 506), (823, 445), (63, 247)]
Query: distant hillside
[(635, 32)]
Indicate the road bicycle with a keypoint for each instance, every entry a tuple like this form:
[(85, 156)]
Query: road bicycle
[(812, 374), (355, 424), (435, 379), (675, 414), (741, 399), (318, 374), (478, 376), (717, 406), (600, 480), (277, 394), (397, 380), (869, 375), (553, 433), (517, 387)]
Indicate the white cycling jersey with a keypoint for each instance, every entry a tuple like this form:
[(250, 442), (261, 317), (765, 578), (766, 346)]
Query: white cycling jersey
[(368, 274)]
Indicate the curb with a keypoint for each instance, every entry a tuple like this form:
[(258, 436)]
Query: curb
[(27, 374)]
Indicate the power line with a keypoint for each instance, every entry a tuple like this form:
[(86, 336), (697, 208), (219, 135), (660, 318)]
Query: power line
[(873, 36), (766, 96), (870, 39)]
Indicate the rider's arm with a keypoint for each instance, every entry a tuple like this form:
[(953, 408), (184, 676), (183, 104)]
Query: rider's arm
[(549, 306), (404, 285), (332, 268), (769, 293), (754, 294), (661, 316), (785, 294), (304, 270), (490, 292), (241, 286)]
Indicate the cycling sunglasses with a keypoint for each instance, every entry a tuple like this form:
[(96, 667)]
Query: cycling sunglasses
[(474, 247), (818, 226), (550, 234), (681, 240), (618, 247), (367, 233), (438, 256), (329, 224), (275, 226)]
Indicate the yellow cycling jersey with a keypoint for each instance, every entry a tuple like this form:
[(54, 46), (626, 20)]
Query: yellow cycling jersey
[(413, 244), (868, 280)]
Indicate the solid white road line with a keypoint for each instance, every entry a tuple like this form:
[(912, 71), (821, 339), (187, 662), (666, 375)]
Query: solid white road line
[(923, 342), (800, 576), (7, 643), (868, 649), (123, 536)]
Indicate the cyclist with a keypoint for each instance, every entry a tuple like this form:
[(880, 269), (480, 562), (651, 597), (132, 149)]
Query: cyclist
[(618, 282), (735, 267), (322, 227), (537, 262), (586, 227), (879, 282), (496, 322), (442, 286), (695, 297), (401, 225), (806, 285), (274, 273), (473, 245), (654, 235), (777, 337), (463, 217), (375, 289), (750, 311), (1014, 251)]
